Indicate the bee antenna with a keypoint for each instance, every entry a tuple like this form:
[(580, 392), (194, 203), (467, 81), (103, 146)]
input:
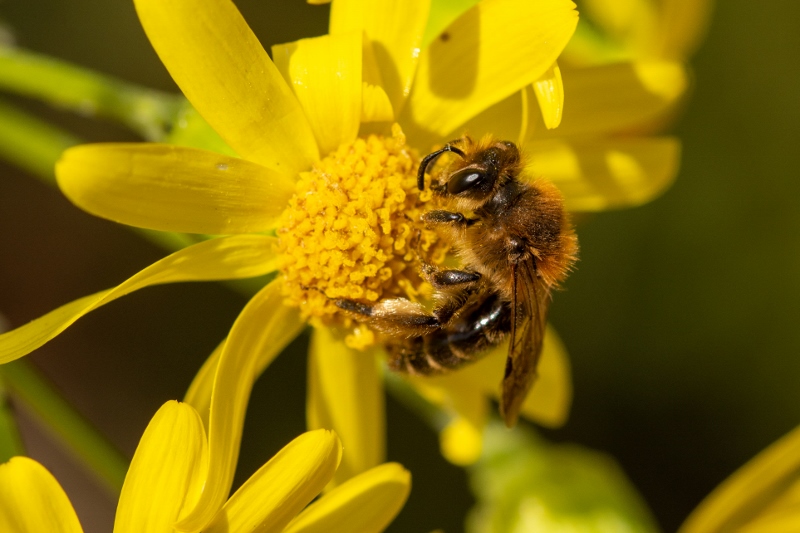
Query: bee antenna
[(430, 158)]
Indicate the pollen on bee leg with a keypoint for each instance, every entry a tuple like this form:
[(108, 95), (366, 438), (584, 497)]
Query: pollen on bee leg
[(347, 232)]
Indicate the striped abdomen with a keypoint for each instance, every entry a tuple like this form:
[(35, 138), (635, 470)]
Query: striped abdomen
[(484, 326)]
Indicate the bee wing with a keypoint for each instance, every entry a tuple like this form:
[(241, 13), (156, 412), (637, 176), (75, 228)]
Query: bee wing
[(530, 301)]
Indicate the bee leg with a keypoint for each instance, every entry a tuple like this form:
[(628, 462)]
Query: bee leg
[(448, 218), (449, 279), (397, 316)]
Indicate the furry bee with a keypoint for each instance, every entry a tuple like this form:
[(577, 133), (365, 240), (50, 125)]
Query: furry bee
[(516, 244)]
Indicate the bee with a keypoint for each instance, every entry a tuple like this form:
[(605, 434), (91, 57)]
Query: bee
[(516, 244)]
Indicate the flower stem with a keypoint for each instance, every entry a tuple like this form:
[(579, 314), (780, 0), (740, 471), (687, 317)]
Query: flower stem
[(10, 440), (147, 112), (31, 143), (35, 146), (27, 385), (433, 416)]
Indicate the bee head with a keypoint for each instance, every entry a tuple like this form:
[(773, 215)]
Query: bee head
[(480, 174)]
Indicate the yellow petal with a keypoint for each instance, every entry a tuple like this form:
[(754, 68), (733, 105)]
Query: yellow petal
[(487, 54), (549, 90), (325, 73), (550, 397), (375, 104), (282, 487), (239, 256), (366, 503), (683, 26), (249, 344), (199, 393), (504, 120), (167, 471), (173, 188), (223, 70), (442, 15), (606, 174), (285, 323), (756, 486), (620, 97), (345, 394), (32, 501), (395, 28)]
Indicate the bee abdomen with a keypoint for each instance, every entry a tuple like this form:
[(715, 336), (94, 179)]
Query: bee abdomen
[(450, 348)]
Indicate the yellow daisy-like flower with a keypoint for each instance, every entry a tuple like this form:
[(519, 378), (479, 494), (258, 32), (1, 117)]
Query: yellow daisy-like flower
[(324, 97), (167, 475)]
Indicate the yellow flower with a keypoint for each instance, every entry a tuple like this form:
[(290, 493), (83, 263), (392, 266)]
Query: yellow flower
[(760, 497), (169, 469), (319, 95)]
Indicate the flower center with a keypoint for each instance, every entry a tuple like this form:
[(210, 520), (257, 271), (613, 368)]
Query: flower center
[(353, 231)]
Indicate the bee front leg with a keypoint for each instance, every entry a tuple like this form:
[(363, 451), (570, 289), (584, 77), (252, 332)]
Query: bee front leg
[(448, 218)]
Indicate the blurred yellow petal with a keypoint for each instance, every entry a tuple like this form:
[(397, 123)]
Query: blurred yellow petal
[(684, 24), (632, 24), (395, 29), (605, 174), (173, 188), (250, 338), (620, 97), (366, 503), (167, 471), (285, 324), (239, 256), (621, 18), (325, 73), (225, 73), (461, 441), (550, 398), (32, 501), (754, 488), (787, 522), (549, 90), (487, 54), (282, 487), (345, 393)]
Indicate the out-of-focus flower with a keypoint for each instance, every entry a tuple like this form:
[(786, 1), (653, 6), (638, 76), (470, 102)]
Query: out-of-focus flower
[(167, 475), (523, 483)]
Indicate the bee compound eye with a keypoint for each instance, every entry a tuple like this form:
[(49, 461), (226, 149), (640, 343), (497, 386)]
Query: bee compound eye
[(465, 179)]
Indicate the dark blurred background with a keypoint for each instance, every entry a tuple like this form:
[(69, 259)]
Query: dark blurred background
[(680, 320)]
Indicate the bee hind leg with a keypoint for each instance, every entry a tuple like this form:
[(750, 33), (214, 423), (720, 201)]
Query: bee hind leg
[(397, 316)]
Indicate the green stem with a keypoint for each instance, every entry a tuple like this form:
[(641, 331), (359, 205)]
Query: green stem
[(80, 438), (35, 145), (10, 440), (436, 418), (30, 143), (148, 112)]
